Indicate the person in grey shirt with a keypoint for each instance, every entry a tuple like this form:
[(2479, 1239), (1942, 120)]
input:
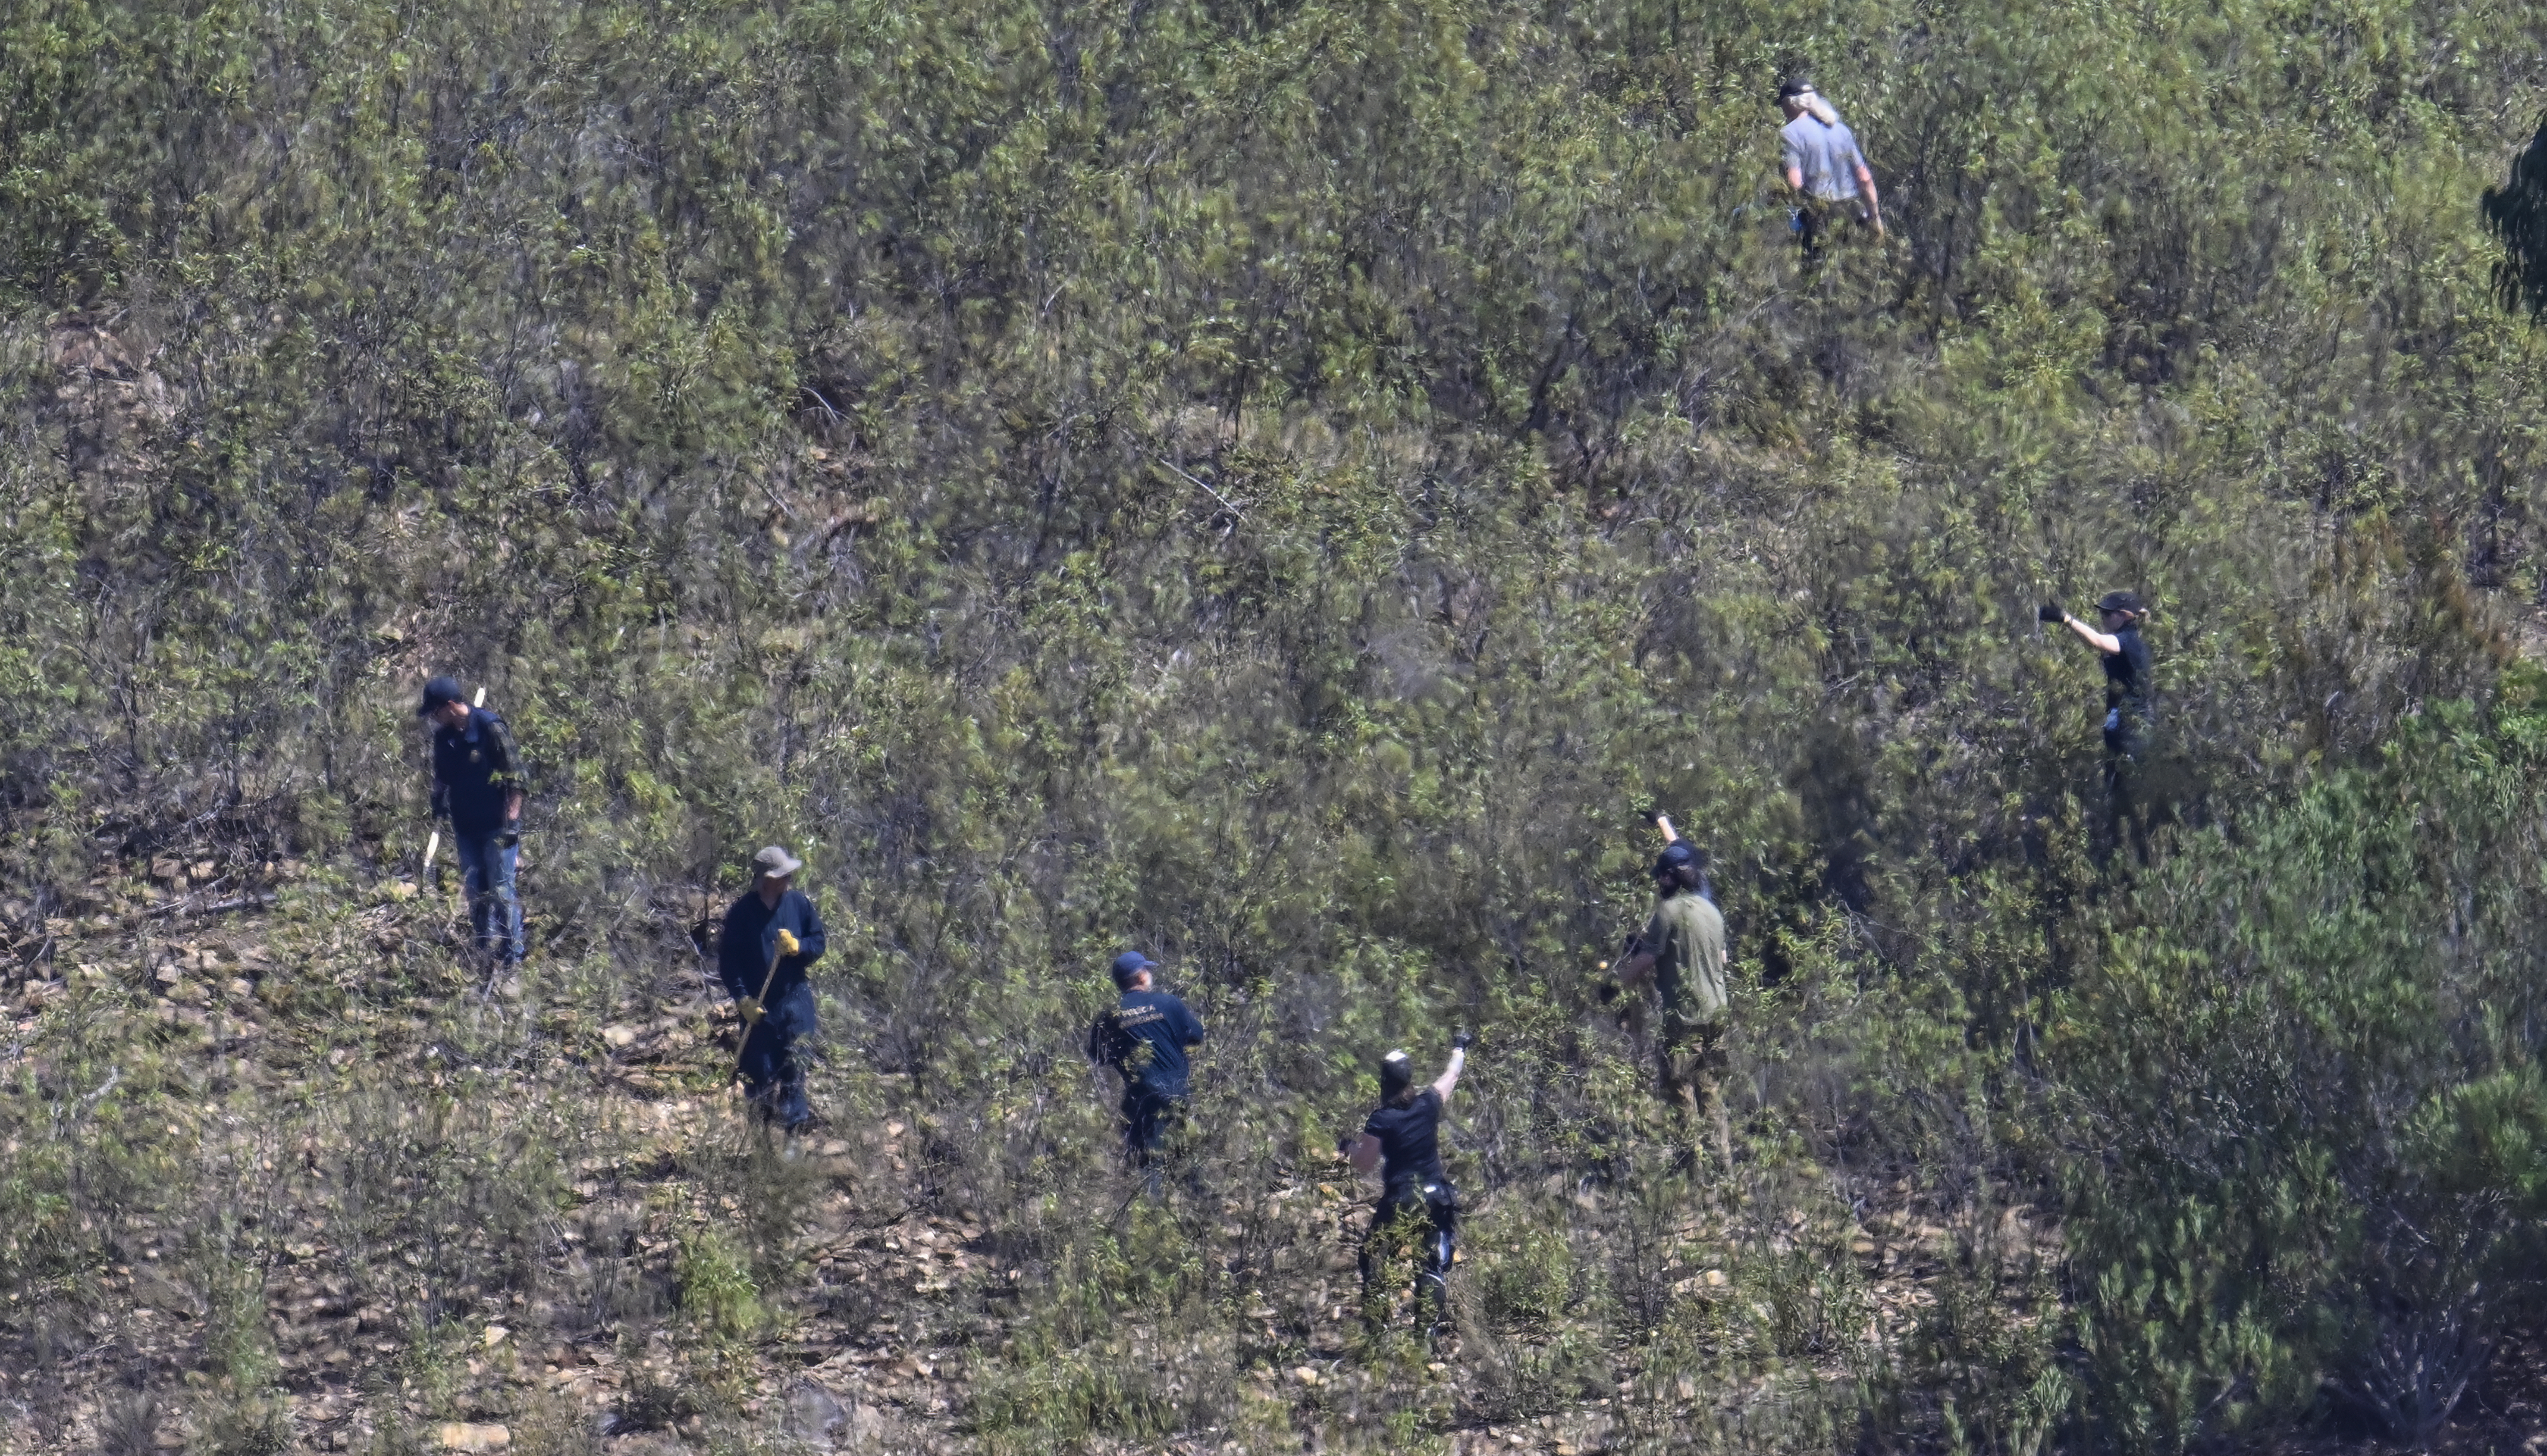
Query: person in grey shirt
[(1824, 168)]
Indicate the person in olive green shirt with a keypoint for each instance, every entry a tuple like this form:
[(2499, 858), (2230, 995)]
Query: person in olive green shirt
[(1682, 948)]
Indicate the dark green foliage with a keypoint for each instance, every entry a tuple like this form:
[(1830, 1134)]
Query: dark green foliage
[(2304, 1083), (1285, 485), (2517, 212)]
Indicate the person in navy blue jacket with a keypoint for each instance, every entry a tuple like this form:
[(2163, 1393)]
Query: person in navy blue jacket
[(772, 935), (478, 784), (1145, 1038)]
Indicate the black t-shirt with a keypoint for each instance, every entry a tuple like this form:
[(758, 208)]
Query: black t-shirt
[(475, 770), (1145, 1038), (2127, 676), (1410, 1140)]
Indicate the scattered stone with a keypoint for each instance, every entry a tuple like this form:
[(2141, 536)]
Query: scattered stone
[(462, 1436), (866, 1428), (813, 1414)]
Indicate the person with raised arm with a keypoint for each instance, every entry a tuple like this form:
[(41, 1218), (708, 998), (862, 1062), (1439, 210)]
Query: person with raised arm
[(2126, 659), (1681, 950), (1417, 1205)]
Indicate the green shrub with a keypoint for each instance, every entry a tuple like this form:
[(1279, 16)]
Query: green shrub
[(1287, 486), (717, 1292), (2304, 1099)]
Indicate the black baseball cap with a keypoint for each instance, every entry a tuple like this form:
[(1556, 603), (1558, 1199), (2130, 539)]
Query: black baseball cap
[(1128, 965), (1674, 856), (1396, 1073), (438, 691), (1794, 86), (2119, 601)]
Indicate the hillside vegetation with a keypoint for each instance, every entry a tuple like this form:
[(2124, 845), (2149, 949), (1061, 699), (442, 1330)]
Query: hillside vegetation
[(1286, 486)]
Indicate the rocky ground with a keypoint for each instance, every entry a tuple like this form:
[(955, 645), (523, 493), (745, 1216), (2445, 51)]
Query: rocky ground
[(586, 1310)]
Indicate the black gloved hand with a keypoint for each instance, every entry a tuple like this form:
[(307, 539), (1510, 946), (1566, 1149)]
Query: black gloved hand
[(1345, 1143), (1462, 1042), (1609, 992), (2049, 612)]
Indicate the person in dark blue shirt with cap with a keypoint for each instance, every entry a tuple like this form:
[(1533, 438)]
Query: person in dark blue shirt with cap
[(1145, 1038), (478, 785), (772, 935)]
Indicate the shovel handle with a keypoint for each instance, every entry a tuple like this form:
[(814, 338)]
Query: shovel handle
[(749, 1022)]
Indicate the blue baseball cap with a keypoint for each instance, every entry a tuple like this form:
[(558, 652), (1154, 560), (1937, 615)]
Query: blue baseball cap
[(1130, 964), (438, 691)]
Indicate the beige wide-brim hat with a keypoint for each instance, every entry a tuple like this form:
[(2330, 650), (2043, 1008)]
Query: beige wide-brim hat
[(776, 863)]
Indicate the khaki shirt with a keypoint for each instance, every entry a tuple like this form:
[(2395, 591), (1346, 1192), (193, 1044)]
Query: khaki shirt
[(1687, 938)]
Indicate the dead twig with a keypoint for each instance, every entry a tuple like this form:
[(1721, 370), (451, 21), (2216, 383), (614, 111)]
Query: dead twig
[(1230, 506), (216, 908)]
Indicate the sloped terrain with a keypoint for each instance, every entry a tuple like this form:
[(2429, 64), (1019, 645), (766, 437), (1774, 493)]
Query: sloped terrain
[(1287, 486), (528, 1218), (346, 1197)]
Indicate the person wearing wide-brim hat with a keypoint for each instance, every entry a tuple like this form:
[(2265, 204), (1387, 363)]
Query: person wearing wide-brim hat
[(772, 935)]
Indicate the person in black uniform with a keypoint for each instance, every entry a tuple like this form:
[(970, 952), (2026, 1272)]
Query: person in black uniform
[(1145, 1038), (772, 936), (478, 785), (1402, 1137), (2127, 692)]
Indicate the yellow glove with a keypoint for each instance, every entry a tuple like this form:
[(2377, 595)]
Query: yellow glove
[(787, 942), (747, 1007)]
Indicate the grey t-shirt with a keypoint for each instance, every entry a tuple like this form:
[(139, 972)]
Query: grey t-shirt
[(1826, 155)]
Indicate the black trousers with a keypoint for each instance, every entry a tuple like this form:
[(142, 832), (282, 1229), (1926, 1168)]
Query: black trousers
[(2125, 753), (1425, 1215), (1148, 1119)]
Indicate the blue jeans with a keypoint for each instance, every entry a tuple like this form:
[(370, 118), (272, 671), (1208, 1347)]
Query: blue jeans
[(494, 909)]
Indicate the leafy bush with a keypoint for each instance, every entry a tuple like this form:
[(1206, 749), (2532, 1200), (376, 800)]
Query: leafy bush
[(1287, 486), (2304, 1094)]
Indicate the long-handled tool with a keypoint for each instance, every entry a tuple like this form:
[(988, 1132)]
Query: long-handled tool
[(760, 1005)]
